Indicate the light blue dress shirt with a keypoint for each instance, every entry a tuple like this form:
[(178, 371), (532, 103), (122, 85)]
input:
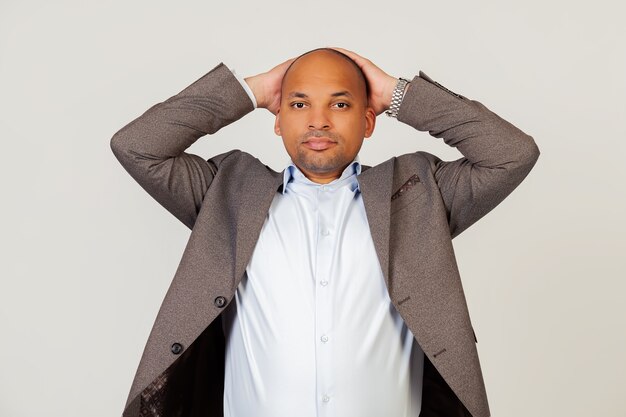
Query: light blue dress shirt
[(312, 331)]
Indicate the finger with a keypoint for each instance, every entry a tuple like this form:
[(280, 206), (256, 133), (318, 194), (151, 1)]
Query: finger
[(351, 54), (289, 61), (344, 50), (282, 66)]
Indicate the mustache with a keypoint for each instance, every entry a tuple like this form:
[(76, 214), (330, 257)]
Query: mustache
[(320, 134)]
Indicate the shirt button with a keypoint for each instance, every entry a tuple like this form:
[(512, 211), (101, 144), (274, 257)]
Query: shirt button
[(325, 232), (325, 398), (324, 283), (324, 338)]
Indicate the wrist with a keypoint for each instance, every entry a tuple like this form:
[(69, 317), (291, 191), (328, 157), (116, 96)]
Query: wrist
[(254, 85), (397, 95), (388, 95)]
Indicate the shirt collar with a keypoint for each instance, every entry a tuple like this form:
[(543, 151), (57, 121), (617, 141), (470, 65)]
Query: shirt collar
[(293, 174)]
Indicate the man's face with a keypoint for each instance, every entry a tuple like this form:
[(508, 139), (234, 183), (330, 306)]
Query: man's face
[(323, 116)]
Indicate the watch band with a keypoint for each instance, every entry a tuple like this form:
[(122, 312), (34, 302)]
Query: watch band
[(396, 97)]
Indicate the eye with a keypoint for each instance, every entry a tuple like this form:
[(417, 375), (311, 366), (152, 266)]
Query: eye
[(343, 105), (297, 105)]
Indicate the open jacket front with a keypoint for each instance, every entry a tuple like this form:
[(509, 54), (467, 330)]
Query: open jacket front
[(415, 204)]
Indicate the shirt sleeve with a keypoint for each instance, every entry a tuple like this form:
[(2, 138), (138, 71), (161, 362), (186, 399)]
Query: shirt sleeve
[(246, 87)]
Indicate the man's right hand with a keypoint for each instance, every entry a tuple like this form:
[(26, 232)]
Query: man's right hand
[(266, 86)]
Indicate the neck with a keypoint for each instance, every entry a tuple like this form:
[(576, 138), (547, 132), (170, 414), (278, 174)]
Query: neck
[(322, 177)]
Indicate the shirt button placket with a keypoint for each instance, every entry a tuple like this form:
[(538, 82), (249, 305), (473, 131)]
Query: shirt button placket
[(323, 306)]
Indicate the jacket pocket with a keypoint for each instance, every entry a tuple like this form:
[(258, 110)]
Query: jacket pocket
[(407, 194)]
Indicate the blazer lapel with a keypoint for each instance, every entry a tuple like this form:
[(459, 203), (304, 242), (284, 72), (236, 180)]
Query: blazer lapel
[(376, 186), (256, 197)]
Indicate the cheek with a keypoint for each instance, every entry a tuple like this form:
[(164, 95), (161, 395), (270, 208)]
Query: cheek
[(289, 134), (352, 128), (289, 123)]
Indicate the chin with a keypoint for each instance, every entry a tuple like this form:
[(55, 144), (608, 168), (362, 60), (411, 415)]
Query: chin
[(321, 164)]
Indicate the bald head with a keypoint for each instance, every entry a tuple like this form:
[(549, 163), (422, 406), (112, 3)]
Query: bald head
[(330, 55)]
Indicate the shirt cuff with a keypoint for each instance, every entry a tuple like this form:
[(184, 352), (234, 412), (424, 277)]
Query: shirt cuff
[(245, 86)]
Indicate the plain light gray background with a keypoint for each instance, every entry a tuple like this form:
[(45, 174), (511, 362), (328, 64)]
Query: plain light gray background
[(87, 255)]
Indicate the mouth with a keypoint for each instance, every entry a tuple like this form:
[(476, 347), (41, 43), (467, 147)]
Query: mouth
[(319, 143)]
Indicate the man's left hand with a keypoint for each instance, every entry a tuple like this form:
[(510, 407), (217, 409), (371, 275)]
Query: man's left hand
[(381, 84)]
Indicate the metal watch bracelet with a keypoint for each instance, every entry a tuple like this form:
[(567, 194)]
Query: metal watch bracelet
[(396, 97)]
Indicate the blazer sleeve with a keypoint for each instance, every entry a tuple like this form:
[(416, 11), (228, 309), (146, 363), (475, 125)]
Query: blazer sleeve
[(152, 147), (497, 156)]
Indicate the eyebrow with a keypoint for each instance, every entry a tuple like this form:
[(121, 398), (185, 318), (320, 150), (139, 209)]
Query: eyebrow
[(337, 94)]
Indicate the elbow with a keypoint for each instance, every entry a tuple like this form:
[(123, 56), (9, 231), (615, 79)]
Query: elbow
[(117, 144), (531, 154), (120, 146), (521, 156), (527, 153)]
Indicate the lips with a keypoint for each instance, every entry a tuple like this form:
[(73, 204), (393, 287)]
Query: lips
[(319, 143)]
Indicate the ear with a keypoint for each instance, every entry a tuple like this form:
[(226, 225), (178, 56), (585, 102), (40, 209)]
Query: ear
[(370, 121), (277, 123)]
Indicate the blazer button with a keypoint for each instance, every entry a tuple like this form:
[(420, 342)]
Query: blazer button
[(176, 348), (219, 301)]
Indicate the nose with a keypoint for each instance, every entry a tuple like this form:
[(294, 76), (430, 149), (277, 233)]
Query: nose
[(319, 119)]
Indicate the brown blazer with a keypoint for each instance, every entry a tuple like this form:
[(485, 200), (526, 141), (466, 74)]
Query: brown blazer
[(415, 204)]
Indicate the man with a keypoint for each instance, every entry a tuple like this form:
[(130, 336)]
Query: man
[(331, 288)]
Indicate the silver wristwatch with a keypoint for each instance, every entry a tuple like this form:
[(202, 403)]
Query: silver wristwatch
[(396, 97)]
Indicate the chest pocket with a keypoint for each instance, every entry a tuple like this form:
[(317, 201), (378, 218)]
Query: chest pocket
[(407, 193)]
